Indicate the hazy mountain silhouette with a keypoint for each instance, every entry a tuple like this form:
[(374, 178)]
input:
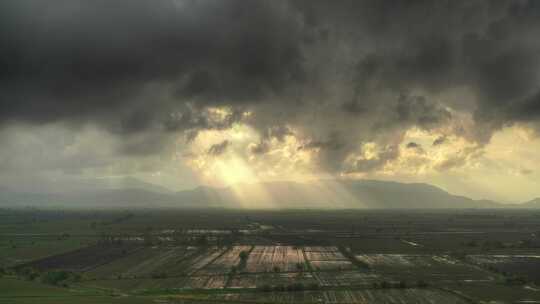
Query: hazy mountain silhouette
[(534, 203), (322, 194)]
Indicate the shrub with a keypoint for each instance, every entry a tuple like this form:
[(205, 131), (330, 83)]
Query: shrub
[(54, 277), (265, 288), (28, 274), (313, 286), (243, 255), (159, 275), (296, 287), (421, 284), (515, 280)]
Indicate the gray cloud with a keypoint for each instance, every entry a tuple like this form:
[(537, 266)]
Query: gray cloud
[(267, 134), (439, 141), (388, 154), (413, 145), (459, 159), (416, 147), (526, 171), (335, 74), (88, 61), (419, 111), (332, 143), (259, 148), (219, 148)]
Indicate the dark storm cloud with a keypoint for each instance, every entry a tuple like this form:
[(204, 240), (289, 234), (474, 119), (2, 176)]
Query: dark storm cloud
[(142, 144), (528, 109), (421, 112), (334, 142), (193, 119), (80, 60), (366, 70), (488, 46)]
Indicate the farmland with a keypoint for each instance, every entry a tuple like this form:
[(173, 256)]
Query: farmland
[(364, 296), (275, 258), (231, 256)]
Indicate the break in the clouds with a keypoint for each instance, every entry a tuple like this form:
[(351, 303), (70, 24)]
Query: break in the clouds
[(329, 87)]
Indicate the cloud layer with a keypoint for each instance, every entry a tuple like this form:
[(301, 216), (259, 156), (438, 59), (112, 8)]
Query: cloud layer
[(337, 78)]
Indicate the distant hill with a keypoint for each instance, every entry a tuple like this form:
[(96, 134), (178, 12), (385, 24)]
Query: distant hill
[(535, 203), (322, 194), (123, 183), (72, 185), (89, 199), (333, 194)]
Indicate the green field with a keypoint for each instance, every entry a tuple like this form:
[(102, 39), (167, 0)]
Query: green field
[(205, 256), (18, 291)]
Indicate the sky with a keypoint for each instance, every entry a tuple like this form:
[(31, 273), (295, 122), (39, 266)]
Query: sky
[(183, 93)]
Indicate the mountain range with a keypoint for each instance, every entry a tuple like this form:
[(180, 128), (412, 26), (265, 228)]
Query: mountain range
[(371, 194)]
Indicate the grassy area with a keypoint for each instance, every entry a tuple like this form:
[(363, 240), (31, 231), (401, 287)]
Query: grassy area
[(18, 291), (19, 250), (328, 256)]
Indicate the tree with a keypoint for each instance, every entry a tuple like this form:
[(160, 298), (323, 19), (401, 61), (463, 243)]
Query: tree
[(421, 284), (54, 277), (243, 256), (243, 259)]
